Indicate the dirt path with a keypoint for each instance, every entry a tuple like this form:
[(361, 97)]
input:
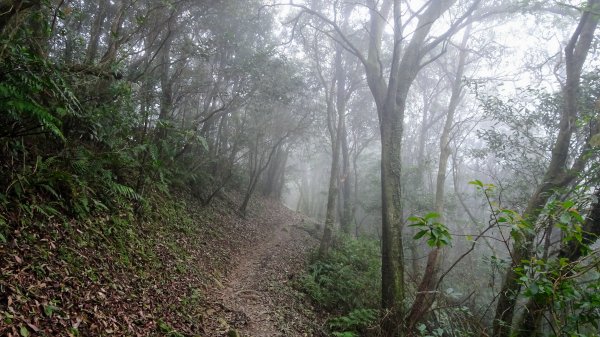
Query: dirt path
[(246, 291), (257, 297)]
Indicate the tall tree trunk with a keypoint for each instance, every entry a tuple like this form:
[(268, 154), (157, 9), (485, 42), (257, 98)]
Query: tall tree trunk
[(336, 140), (390, 91), (258, 164), (95, 32), (392, 274), (347, 217), (274, 180), (254, 164), (556, 175), (114, 37), (166, 95), (426, 292)]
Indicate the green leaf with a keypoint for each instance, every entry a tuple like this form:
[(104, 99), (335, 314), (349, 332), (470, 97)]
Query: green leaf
[(420, 234), (164, 327), (431, 215), (533, 289), (578, 218), (49, 310), (23, 331), (565, 218), (477, 183), (414, 219)]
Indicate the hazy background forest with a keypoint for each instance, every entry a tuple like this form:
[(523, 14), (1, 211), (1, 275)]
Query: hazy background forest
[(444, 152)]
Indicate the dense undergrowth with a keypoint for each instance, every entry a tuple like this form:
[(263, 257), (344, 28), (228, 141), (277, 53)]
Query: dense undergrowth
[(346, 284), (98, 232)]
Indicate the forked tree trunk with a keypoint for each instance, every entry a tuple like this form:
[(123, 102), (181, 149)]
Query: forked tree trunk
[(556, 175), (390, 91)]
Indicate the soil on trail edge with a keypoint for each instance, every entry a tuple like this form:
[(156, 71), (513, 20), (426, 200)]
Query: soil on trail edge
[(257, 298)]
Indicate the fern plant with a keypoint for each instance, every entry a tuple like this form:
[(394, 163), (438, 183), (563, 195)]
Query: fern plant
[(353, 323)]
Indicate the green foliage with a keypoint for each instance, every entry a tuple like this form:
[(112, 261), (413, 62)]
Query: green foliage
[(573, 301), (34, 97), (347, 283), (524, 130), (422, 329), (60, 158), (167, 329), (354, 322), (519, 227), (436, 233), (481, 186), (348, 278)]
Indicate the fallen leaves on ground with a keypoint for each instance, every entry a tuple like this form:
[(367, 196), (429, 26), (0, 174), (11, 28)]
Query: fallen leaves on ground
[(117, 276)]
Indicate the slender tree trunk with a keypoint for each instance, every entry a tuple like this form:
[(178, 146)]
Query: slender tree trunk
[(258, 164), (249, 192), (166, 96), (427, 289), (392, 274), (346, 223), (336, 140), (327, 239)]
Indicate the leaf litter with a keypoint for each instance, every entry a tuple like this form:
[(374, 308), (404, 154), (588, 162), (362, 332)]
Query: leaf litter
[(218, 275)]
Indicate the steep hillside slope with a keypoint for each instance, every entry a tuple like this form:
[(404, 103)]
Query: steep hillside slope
[(179, 269)]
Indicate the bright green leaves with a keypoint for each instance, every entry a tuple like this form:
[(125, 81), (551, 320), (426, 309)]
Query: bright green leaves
[(347, 282), (49, 310), (519, 227), (538, 279), (436, 233), (481, 186)]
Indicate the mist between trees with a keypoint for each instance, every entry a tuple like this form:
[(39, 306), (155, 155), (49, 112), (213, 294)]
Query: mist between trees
[(461, 135)]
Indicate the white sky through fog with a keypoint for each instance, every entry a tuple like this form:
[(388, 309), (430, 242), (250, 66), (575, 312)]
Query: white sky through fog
[(529, 46)]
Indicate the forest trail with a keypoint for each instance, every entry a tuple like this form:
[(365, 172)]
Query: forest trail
[(257, 297)]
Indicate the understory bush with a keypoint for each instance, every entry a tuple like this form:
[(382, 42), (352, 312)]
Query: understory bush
[(346, 283)]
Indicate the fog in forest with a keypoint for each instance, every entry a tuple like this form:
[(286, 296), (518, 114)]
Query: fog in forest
[(443, 152)]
